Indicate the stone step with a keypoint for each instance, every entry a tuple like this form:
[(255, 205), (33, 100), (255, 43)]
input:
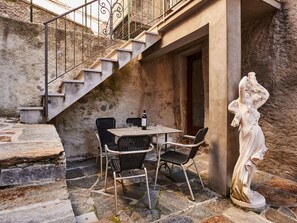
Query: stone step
[(55, 211), (124, 56), (31, 115), (15, 197), (32, 174), (92, 76), (33, 153), (108, 66), (55, 100)]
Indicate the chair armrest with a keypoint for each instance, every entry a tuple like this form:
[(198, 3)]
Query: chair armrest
[(185, 137), (182, 145), (129, 152)]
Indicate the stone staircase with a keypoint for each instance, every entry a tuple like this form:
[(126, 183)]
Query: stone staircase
[(32, 174), (87, 79)]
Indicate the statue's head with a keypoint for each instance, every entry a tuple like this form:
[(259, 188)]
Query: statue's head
[(252, 75)]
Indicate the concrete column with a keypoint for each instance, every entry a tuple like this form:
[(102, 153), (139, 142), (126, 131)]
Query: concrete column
[(224, 76)]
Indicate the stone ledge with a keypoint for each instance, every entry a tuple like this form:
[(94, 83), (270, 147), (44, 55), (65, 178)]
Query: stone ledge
[(13, 197), (30, 154), (12, 154), (51, 211), (32, 174)]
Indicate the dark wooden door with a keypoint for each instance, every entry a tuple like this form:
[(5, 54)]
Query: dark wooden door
[(195, 93)]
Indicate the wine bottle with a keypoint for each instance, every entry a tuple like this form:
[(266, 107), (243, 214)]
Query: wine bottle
[(143, 120)]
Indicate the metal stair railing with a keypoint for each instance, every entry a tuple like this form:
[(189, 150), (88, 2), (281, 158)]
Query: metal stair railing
[(74, 38)]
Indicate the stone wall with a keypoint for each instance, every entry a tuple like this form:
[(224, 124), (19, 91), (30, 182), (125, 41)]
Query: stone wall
[(22, 61), (20, 10), (269, 47), (136, 87)]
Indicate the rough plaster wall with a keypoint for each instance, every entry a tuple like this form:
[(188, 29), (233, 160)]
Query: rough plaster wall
[(269, 48), (135, 87), (20, 10), (21, 65), (22, 61)]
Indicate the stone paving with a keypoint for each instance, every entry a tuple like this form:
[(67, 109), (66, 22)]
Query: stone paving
[(170, 200)]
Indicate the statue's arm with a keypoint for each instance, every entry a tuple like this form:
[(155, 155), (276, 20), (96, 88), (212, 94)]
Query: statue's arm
[(242, 89), (233, 108), (259, 94), (260, 97)]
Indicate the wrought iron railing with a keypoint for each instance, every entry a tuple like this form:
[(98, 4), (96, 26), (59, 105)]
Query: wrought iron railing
[(75, 37)]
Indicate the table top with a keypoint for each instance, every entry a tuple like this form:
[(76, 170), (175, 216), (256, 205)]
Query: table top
[(151, 130)]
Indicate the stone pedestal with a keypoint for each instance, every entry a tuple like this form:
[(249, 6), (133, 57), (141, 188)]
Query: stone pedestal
[(258, 201)]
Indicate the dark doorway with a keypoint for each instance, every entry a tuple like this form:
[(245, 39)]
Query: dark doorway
[(195, 93)]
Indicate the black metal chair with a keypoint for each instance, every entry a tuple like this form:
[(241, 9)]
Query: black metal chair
[(175, 157), (129, 156), (134, 121), (104, 137)]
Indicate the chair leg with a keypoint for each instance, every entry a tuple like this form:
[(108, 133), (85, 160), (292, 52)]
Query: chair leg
[(97, 156), (171, 170), (156, 177), (188, 182), (99, 153), (100, 166), (198, 173), (123, 185), (106, 168), (148, 189), (115, 192)]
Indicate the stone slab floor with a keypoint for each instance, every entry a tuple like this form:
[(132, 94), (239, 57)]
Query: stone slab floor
[(170, 200)]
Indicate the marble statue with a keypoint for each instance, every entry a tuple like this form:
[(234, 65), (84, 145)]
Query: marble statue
[(251, 140)]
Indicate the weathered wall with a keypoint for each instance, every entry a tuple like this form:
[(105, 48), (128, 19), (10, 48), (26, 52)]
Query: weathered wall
[(135, 87), (269, 47), (22, 61), (21, 65), (20, 10)]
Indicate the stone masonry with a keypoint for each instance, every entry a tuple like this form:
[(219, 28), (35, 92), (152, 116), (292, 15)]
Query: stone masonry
[(32, 174)]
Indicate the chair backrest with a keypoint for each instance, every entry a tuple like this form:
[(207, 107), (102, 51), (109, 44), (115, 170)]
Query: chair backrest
[(134, 121), (133, 143), (198, 138), (102, 125)]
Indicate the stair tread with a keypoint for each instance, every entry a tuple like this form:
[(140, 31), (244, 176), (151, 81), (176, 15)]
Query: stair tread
[(152, 33), (126, 50), (91, 70), (74, 81), (56, 95), (109, 59), (139, 41), (30, 108)]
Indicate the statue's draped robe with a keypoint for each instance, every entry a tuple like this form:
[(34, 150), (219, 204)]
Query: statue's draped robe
[(252, 149)]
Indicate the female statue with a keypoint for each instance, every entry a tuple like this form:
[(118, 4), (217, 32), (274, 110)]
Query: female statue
[(251, 140)]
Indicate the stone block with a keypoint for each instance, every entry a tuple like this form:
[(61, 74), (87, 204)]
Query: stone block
[(53, 211), (275, 216), (32, 174)]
